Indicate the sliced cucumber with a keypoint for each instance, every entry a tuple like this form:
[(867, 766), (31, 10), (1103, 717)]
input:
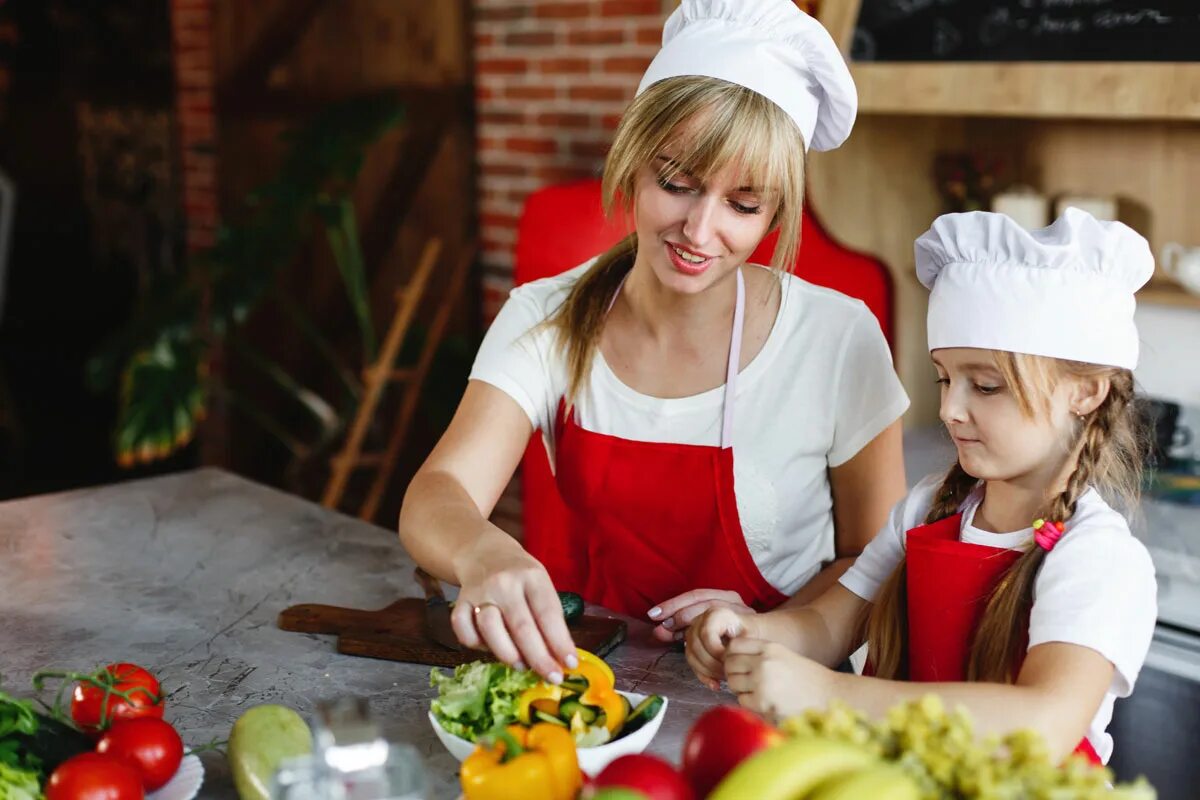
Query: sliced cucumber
[(646, 710), (575, 684), (572, 605), (545, 716), (569, 708)]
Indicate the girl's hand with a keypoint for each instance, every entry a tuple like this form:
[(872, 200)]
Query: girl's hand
[(706, 639), (774, 681), (677, 614), (508, 605)]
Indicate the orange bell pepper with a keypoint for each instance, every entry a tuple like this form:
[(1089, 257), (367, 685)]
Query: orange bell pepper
[(537, 763)]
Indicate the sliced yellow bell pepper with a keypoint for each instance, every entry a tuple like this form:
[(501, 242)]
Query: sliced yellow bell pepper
[(537, 763), (601, 692), (539, 691)]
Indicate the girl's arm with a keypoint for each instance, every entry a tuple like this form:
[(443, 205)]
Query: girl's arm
[(444, 526), (825, 631)]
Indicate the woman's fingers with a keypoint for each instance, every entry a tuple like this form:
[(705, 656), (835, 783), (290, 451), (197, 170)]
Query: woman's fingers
[(669, 608), (462, 620), (490, 622), (551, 644)]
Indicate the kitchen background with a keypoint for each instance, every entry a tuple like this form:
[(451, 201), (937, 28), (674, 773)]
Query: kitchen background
[(156, 202)]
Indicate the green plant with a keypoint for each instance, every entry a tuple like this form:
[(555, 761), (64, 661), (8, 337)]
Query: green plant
[(161, 358)]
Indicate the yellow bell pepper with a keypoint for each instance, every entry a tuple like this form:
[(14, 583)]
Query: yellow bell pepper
[(539, 691), (601, 691), (537, 763)]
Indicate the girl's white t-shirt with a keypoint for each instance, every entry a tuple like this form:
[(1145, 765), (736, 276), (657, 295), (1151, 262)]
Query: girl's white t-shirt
[(821, 388), (1095, 588)]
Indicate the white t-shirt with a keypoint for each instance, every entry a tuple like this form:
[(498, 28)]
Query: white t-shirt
[(821, 388), (1096, 588)]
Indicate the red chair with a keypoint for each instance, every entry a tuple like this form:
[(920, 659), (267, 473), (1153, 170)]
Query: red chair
[(563, 226)]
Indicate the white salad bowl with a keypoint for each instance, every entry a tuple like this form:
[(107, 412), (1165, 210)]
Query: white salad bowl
[(591, 759)]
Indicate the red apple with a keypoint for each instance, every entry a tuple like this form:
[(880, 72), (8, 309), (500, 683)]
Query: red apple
[(721, 739), (649, 775)]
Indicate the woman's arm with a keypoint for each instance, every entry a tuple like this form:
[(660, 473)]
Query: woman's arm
[(444, 526), (1056, 694), (864, 489)]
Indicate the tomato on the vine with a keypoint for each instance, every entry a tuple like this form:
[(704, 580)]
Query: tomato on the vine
[(117, 692), (91, 776), (150, 745)]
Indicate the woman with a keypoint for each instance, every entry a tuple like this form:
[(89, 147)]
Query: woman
[(723, 434)]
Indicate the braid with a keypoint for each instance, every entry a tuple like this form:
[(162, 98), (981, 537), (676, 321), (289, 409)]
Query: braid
[(1109, 455), (950, 495)]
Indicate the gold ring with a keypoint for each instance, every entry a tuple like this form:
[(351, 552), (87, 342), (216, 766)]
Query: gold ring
[(484, 605)]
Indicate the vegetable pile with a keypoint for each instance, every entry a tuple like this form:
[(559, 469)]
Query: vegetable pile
[(114, 743), (484, 697)]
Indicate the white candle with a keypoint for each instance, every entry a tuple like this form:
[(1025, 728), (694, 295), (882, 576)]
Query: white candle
[(1026, 208)]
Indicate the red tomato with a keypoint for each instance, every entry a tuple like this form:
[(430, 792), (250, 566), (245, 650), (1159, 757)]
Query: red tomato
[(93, 712), (650, 775), (90, 776), (720, 740), (148, 744)]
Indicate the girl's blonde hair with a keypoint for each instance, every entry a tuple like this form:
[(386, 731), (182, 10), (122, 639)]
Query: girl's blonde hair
[(1111, 445), (735, 126)]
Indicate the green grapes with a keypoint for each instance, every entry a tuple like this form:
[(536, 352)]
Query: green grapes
[(940, 751)]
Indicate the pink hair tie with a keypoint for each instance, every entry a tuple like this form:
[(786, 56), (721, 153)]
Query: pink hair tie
[(1047, 534)]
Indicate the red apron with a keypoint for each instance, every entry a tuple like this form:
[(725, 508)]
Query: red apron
[(651, 520), (949, 583)]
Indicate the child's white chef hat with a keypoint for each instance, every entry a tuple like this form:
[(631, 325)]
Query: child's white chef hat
[(771, 47), (1064, 291)]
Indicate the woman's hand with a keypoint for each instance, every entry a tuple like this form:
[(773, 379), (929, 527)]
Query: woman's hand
[(774, 681), (675, 615), (706, 639), (508, 605)]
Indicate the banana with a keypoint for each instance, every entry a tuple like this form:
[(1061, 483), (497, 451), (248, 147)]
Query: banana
[(790, 770), (879, 782)]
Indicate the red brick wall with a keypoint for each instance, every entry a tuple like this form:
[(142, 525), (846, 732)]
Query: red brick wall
[(191, 33), (552, 78)]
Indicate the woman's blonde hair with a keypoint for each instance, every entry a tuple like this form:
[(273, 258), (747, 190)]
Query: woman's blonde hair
[(737, 126), (1111, 444)]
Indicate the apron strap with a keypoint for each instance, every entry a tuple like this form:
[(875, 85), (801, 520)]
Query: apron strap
[(735, 354)]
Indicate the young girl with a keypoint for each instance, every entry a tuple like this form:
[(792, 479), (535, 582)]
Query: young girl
[(1038, 625)]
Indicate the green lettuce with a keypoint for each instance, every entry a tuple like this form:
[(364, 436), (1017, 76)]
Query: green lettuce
[(478, 697), (18, 784)]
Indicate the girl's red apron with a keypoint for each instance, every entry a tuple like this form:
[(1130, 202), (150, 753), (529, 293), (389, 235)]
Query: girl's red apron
[(651, 520), (949, 583)]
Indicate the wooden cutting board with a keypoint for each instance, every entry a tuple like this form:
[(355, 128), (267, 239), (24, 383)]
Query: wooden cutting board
[(397, 632)]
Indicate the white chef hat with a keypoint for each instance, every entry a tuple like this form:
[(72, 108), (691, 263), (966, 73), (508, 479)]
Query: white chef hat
[(1064, 291), (771, 47)]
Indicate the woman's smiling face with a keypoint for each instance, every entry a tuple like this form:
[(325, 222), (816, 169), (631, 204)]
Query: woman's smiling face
[(692, 232)]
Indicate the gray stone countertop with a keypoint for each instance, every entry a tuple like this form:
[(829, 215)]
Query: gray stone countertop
[(185, 574)]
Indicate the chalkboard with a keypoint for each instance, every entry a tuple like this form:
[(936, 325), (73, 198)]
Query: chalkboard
[(1027, 30)]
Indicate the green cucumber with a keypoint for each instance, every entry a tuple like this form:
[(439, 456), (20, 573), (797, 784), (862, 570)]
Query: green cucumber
[(646, 710), (569, 708), (572, 605), (545, 716), (576, 685)]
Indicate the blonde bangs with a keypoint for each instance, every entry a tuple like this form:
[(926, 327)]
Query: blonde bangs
[(738, 127)]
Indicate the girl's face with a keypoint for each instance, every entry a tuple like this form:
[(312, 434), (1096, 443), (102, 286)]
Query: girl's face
[(691, 234), (995, 440)]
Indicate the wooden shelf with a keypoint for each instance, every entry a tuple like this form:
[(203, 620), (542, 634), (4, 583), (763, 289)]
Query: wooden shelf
[(1081, 90)]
